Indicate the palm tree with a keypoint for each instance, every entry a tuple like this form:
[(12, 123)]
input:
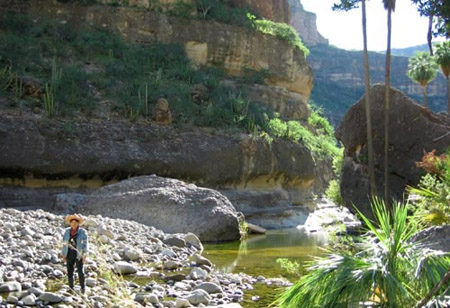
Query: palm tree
[(373, 188), (422, 69), (346, 5), (389, 5), (389, 270), (443, 59)]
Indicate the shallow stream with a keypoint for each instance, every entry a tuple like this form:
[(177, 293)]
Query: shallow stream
[(257, 256)]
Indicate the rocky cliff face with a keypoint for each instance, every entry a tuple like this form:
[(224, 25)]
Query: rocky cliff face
[(305, 24), (35, 152), (276, 10), (227, 47)]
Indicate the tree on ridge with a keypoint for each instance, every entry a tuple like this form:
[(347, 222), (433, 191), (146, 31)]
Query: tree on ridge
[(422, 69), (443, 59)]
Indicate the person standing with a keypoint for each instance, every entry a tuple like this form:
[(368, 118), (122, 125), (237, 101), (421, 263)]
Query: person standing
[(75, 248)]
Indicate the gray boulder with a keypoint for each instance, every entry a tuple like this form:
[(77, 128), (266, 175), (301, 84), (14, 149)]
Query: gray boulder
[(413, 130), (199, 296), (124, 268), (436, 238), (167, 204), (50, 297), (10, 286)]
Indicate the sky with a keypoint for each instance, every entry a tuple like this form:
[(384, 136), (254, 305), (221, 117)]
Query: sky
[(344, 29)]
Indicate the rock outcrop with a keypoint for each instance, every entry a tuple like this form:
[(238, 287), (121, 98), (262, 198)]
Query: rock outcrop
[(305, 24), (276, 10), (33, 148), (413, 130), (167, 204)]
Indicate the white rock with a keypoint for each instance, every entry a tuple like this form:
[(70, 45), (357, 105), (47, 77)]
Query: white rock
[(11, 286), (170, 265), (200, 260), (104, 239), (106, 232), (124, 268), (198, 297), (192, 239), (91, 282), (51, 297), (168, 252), (209, 287), (182, 303), (198, 273), (29, 300), (133, 254)]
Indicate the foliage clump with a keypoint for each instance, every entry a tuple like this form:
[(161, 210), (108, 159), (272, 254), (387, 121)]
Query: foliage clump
[(316, 134), (387, 269), (432, 203)]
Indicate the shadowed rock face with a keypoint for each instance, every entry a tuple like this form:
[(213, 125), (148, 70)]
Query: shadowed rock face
[(170, 205), (116, 150), (413, 130)]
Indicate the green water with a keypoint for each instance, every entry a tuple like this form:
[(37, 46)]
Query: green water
[(257, 256)]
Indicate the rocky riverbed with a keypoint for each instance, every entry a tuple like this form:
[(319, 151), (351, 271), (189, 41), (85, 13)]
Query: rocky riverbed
[(129, 265)]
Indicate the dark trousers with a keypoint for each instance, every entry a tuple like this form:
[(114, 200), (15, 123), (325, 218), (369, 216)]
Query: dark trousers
[(71, 261)]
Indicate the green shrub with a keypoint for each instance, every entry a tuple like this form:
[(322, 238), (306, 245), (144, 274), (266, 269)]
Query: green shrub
[(432, 207), (282, 31), (278, 128), (333, 192), (319, 121), (338, 161), (216, 10), (320, 145), (291, 268)]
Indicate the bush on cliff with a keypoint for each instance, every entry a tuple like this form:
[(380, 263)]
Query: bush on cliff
[(319, 140)]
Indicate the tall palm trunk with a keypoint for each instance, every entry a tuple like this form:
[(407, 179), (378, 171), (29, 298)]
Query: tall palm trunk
[(425, 97), (373, 188), (448, 94), (390, 6), (429, 33)]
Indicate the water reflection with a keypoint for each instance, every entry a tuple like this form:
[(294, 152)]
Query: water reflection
[(257, 255)]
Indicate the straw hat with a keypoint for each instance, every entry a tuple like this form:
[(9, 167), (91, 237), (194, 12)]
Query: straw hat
[(77, 217)]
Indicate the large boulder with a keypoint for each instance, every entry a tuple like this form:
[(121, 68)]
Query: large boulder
[(436, 238), (413, 130), (167, 204)]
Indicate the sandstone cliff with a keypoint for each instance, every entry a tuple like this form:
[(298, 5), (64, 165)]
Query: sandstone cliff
[(305, 24), (276, 10), (226, 47)]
